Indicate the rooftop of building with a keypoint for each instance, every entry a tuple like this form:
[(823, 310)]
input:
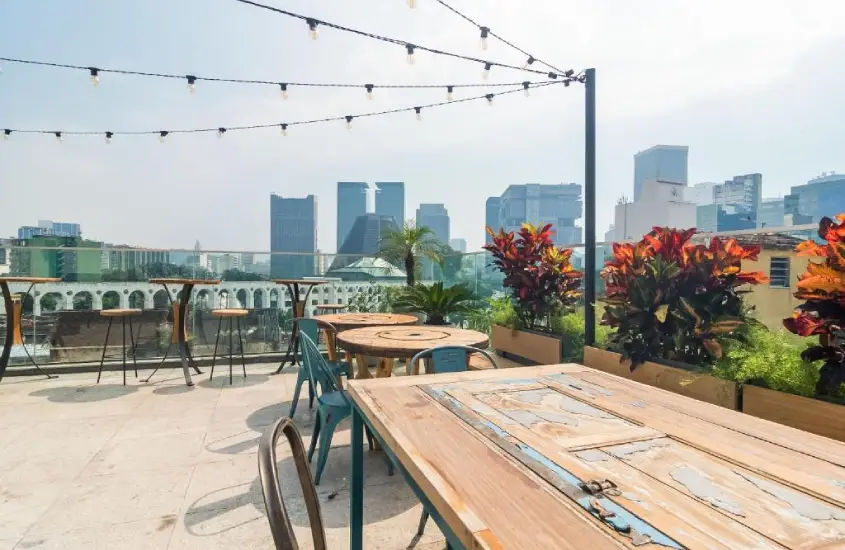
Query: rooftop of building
[(663, 148), (769, 241)]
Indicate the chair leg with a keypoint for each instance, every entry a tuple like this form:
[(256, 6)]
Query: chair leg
[(369, 437), (134, 345), (105, 345), (163, 359), (214, 355), (310, 392), (123, 347), (314, 434), (296, 390), (241, 343), (325, 445), (423, 520), (231, 349)]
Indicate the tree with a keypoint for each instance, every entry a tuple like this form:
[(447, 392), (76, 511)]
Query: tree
[(408, 245), (238, 275)]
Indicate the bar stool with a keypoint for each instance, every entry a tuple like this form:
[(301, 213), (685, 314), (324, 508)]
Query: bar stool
[(123, 315), (232, 315), (325, 309)]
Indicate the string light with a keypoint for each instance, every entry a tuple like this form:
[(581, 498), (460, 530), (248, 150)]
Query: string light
[(489, 99), (369, 88), (7, 134), (410, 49), (525, 86), (419, 112), (449, 95), (412, 4), (109, 136), (284, 89), (59, 136), (220, 132), (284, 130), (484, 32), (349, 121), (312, 28), (486, 73), (95, 75), (192, 83), (529, 62), (162, 135)]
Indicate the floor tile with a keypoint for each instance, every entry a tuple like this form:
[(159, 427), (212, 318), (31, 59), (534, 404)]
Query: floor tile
[(149, 534)]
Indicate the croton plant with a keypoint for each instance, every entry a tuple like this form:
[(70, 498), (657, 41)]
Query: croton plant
[(823, 312), (539, 275), (670, 299)]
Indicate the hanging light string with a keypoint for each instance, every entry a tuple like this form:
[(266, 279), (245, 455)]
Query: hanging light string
[(314, 24), (220, 130), (485, 31), (95, 72)]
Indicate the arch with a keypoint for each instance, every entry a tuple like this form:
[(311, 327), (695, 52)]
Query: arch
[(28, 303), (204, 299), (136, 300), (224, 298), (258, 299), (274, 298), (160, 300), (241, 297), (52, 301), (83, 300), (111, 300)]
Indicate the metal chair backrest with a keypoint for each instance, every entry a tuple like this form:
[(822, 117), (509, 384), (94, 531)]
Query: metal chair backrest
[(451, 358), (318, 369), (277, 514), (311, 328)]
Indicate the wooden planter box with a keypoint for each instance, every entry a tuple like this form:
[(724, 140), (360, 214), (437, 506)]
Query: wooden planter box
[(810, 415), (683, 382), (531, 347)]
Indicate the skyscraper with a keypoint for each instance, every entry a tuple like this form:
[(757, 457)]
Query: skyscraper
[(436, 218), (458, 245), (363, 239), (743, 192), (390, 200), (293, 228), (559, 205), (351, 203), (820, 197), (491, 217), (663, 162), (50, 228)]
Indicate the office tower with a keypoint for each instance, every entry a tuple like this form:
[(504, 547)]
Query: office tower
[(293, 228), (363, 239), (390, 200), (351, 203), (491, 217), (436, 218), (771, 213), (49, 228), (72, 259), (820, 197), (743, 192), (559, 205), (663, 162), (661, 204), (700, 193), (458, 245)]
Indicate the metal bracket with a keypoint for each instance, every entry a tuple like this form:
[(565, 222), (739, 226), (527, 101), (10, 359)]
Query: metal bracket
[(600, 487)]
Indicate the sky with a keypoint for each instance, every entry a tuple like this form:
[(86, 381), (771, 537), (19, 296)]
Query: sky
[(750, 86)]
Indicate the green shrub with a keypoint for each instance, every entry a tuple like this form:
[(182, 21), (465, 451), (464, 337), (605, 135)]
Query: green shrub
[(502, 313), (769, 359), (570, 327)]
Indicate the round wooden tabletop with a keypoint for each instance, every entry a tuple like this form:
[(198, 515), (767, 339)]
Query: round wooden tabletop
[(407, 341), (348, 321), (33, 280)]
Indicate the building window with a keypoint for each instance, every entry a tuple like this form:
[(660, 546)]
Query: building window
[(779, 272)]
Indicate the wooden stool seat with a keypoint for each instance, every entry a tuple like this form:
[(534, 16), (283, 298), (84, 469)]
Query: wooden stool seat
[(127, 312), (229, 313)]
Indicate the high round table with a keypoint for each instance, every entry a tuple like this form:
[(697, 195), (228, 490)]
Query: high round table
[(13, 318), (293, 285), (404, 342), (351, 321)]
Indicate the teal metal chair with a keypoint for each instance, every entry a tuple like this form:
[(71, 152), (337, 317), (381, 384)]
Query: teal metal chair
[(333, 404), (311, 328), (446, 359)]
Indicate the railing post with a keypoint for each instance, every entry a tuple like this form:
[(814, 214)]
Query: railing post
[(590, 207)]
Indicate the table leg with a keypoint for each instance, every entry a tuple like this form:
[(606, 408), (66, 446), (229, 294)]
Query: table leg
[(182, 329), (385, 367), (363, 371), (7, 344), (293, 290), (356, 487)]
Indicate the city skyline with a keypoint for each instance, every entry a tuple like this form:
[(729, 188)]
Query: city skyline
[(778, 123)]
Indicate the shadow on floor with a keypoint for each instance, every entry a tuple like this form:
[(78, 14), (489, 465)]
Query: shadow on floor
[(221, 378), (85, 394), (258, 421)]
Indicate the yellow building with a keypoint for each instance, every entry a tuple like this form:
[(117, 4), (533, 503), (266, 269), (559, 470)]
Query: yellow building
[(774, 301)]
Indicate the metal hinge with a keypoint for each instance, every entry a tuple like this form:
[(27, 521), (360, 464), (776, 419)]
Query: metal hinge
[(600, 487)]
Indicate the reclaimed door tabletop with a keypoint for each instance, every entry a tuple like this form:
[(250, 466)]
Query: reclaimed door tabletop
[(390, 343), (566, 457)]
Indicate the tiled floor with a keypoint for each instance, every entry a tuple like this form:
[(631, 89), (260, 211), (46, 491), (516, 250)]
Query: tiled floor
[(161, 465)]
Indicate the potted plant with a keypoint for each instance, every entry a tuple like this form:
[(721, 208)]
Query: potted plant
[(542, 284), (821, 315), (671, 304), (435, 302)]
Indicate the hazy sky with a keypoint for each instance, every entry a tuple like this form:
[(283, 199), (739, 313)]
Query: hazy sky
[(750, 86)]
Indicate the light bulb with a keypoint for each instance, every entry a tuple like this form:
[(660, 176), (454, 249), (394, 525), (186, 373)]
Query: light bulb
[(162, 135), (410, 49), (484, 32), (6, 134), (95, 75), (59, 136), (528, 63), (220, 132), (370, 94), (525, 86), (192, 83), (284, 89), (489, 99), (419, 112), (312, 28), (486, 73), (449, 95), (109, 137), (348, 122), (412, 4), (284, 130)]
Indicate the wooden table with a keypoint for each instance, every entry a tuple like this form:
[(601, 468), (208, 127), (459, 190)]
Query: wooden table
[(351, 321), (180, 322), (403, 342), (292, 286), (14, 310), (508, 459)]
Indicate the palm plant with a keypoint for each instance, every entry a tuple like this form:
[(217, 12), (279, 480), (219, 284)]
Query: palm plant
[(408, 245), (436, 302)]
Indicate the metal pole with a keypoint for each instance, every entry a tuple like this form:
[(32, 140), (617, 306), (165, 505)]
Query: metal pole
[(590, 207)]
